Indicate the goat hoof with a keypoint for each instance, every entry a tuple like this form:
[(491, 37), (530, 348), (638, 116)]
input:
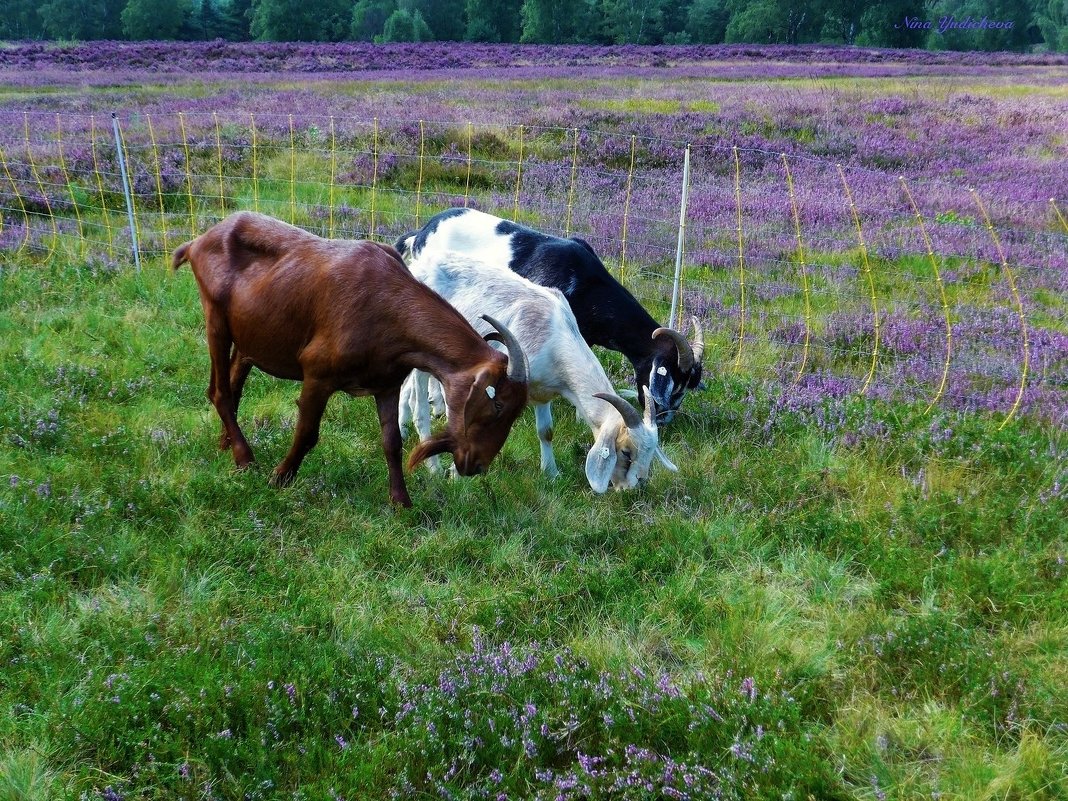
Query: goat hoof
[(399, 495), (242, 456), (280, 480)]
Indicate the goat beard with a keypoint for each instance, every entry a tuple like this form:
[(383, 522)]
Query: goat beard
[(432, 446)]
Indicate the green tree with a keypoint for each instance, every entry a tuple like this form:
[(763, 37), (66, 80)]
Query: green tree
[(674, 17), (20, 20), (893, 24), (840, 20), (214, 19), (445, 18), (493, 20), (152, 19), (707, 21), (558, 21), (632, 21), (369, 19), (755, 21), (1016, 37), (773, 21), (481, 30), (236, 16), (82, 19), (300, 20), (1052, 20), (405, 26)]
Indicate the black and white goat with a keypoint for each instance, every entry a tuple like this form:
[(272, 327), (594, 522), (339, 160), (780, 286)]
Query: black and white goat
[(559, 363), (607, 314)]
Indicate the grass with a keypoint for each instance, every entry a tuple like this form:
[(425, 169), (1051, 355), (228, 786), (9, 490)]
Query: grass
[(868, 608), (641, 105)]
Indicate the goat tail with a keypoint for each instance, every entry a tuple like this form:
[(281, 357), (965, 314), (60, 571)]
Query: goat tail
[(181, 256)]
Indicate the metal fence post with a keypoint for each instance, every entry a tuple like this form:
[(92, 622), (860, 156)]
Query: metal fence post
[(126, 189), (673, 317)]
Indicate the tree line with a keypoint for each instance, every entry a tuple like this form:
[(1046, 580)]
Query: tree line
[(935, 24)]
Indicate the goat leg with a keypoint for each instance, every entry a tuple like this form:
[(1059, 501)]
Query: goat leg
[(220, 391), (421, 414), (240, 367), (310, 407), (391, 444), (543, 417)]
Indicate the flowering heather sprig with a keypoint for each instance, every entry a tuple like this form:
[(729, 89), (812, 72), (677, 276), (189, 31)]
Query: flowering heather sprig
[(934, 654), (568, 731), (37, 431)]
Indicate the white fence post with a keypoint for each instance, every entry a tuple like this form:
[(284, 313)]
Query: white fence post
[(673, 317), (126, 189)]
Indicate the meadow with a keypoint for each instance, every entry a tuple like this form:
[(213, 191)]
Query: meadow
[(853, 588)]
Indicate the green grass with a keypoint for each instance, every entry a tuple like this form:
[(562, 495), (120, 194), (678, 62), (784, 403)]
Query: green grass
[(168, 624), (640, 105)]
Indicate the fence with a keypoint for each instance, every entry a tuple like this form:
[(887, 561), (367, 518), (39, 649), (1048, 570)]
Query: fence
[(829, 279)]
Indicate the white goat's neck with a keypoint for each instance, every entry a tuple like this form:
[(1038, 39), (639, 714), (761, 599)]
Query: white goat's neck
[(583, 381)]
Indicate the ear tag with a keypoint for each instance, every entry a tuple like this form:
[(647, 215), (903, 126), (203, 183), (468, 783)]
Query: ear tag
[(661, 370), (605, 453), (491, 391)]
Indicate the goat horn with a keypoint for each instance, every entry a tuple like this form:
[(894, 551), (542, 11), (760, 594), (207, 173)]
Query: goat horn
[(685, 351), (517, 361), (650, 407), (698, 340), (632, 418)]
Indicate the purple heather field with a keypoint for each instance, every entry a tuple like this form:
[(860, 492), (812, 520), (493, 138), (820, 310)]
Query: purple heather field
[(356, 139)]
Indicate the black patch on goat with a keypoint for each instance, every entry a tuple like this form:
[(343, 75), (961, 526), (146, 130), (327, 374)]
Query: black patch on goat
[(424, 233), (600, 303)]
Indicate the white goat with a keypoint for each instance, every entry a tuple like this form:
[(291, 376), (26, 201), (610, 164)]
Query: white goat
[(559, 361)]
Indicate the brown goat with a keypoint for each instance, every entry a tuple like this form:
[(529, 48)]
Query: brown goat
[(345, 315)]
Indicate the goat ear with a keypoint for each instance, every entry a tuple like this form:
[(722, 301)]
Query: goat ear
[(435, 445), (665, 461), (601, 460)]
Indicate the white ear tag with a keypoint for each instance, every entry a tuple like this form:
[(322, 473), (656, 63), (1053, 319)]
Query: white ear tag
[(661, 370), (605, 453), (491, 391)]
